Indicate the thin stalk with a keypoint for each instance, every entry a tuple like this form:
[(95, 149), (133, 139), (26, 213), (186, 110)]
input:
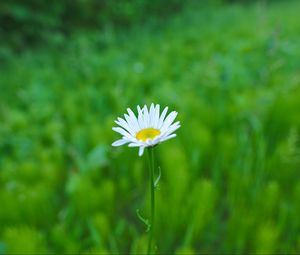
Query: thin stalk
[(152, 197)]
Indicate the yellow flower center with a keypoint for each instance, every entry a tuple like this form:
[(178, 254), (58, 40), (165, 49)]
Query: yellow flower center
[(147, 133)]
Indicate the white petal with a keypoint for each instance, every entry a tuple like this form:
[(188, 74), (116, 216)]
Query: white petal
[(149, 142), (167, 138), (141, 151), (131, 123), (139, 109), (168, 121), (146, 116), (121, 131), (133, 119), (156, 116), (151, 115), (141, 118), (120, 142), (162, 117), (127, 118), (172, 129), (156, 140), (131, 139), (134, 145), (122, 123)]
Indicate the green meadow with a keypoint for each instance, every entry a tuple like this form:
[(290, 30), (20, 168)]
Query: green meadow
[(230, 180)]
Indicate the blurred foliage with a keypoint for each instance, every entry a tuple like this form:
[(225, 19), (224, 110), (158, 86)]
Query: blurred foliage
[(31, 21), (230, 180)]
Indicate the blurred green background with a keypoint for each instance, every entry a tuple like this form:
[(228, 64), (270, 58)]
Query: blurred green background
[(230, 180)]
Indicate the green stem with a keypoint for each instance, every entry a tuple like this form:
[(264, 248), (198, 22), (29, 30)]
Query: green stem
[(151, 173)]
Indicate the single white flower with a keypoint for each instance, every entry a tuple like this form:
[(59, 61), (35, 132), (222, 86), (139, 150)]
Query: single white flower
[(147, 129)]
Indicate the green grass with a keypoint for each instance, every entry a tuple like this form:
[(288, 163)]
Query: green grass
[(230, 180)]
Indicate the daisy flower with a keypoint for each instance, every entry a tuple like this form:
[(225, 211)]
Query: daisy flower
[(147, 129)]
